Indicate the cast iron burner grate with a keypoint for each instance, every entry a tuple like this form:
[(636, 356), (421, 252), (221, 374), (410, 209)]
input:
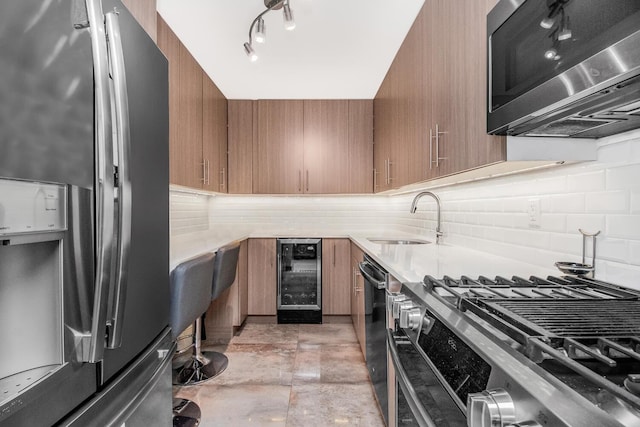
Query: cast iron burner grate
[(577, 318)]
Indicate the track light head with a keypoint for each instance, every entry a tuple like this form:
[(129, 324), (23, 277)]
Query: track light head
[(248, 49), (289, 23), (260, 36)]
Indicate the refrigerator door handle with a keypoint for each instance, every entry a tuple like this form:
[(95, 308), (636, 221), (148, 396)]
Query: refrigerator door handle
[(123, 194), (104, 181)]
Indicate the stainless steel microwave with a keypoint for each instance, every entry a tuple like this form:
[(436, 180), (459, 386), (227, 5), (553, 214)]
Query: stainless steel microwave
[(566, 68)]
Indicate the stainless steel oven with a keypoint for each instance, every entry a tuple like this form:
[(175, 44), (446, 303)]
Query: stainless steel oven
[(554, 351)]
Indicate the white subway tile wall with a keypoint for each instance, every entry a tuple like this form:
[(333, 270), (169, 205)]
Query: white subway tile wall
[(188, 212), (603, 195), (490, 215)]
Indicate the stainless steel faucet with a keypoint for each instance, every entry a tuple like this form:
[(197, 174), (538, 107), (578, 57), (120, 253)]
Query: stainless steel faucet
[(414, 206)]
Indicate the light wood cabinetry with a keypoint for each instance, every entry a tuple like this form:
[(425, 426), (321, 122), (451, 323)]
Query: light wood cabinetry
[(262, 276), (242, 131), (197, 119), (360, 146), (186, 163), (145, 13), (296, 147), (229, 310), (214, 137), (336, 276), (430, 111), (326, 146), (357, 297), (280, 148)]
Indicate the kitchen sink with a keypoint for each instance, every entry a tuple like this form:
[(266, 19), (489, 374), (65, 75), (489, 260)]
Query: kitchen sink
[(386, 241)]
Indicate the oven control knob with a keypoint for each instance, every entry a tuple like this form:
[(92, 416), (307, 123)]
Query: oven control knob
[(490, 408), (410, 318), (398, 306)]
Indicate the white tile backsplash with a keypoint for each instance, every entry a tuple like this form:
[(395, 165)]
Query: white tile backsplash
[(489, 215)]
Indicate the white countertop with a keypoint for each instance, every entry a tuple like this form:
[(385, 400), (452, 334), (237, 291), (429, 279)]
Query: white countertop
[(407, 263)]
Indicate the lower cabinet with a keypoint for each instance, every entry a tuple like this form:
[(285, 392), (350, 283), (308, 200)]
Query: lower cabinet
[(229, 310), (336, 276), (262, 276), (357, 297)]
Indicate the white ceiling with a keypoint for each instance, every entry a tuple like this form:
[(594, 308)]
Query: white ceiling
[(340, 49)]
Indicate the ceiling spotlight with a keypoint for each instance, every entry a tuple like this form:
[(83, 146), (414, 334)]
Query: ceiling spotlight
[(565, 29), (289, 23), (261, 31), (253, 56), (551, 53), (547, 22)]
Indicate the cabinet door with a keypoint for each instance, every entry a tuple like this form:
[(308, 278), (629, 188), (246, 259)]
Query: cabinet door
[(360, 146), (262, 278), (385, 124), (279, 168), (169, 44), (186, 163), (336, 276), (214, 136), (326, 146), (241, 137)]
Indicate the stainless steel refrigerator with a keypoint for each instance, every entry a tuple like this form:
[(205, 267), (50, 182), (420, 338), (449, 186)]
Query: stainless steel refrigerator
[(84, 177)]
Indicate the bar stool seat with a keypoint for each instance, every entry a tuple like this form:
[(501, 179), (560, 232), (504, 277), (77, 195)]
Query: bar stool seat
[(189, 287), (224, 274)]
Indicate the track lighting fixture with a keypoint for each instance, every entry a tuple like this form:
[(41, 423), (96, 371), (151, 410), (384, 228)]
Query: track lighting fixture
[(565, 28), (260, 35)]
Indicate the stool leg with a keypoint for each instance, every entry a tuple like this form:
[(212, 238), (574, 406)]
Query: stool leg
[(186, 413), (201, 366)]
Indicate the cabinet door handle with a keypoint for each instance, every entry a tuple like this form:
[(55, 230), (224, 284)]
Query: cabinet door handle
[(299, 181), (334, 255), (223, 182), (430, 148), (307, 180), (438, 158), (375, 179)]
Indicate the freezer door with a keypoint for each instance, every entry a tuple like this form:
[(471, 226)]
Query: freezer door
[(46, 93), (139, 396), (141, 309)]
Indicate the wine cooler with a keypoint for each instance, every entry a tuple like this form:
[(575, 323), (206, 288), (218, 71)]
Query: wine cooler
[(299, 281)]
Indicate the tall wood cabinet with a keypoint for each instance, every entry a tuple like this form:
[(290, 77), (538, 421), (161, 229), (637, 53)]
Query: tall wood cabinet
[(336, 276), (197, 119), (310, 146), (262, 277), (430, 111)]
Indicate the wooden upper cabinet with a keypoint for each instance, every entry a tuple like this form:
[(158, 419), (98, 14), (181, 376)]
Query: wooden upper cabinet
[(187, 167), (430, 111), (360, 146), (310, 146), (326, 146), (214, 137), (197, 119), (242, 129), (145, 13), (169, 44), (280, 148), (336, 276)]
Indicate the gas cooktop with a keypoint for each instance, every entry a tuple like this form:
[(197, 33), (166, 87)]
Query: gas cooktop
[(584, 332)]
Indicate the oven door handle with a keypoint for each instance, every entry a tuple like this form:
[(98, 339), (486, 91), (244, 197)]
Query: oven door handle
[(364, 267), (421, 415)]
